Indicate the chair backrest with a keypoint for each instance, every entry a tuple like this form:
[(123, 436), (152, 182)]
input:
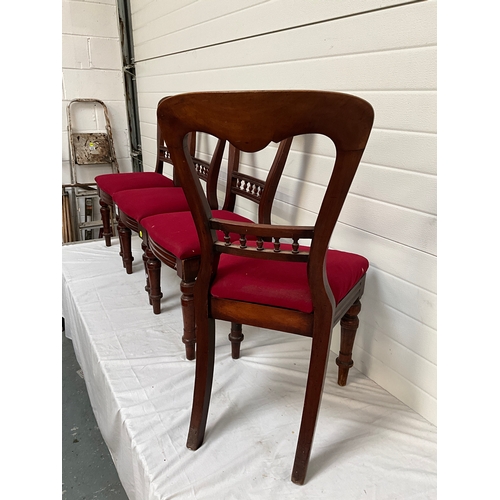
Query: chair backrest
[(259, 191), (250, 121), (203, 168), (162, 153), (238, 184)]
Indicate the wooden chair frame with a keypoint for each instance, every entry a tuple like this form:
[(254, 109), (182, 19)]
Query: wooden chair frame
[(250, 121), (128, 224), (238, 184)]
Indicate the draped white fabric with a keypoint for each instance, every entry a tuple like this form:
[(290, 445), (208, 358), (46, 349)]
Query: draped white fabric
[(368, 445)]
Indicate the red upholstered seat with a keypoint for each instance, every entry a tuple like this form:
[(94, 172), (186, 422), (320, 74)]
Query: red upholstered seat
[(176, 232), (140, 203), (113, 183), (247, 279)]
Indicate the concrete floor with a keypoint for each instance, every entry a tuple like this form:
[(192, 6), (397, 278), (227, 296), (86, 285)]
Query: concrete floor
[(88, 472)]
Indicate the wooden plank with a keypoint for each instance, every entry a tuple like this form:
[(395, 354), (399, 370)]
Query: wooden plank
[(396, 70), (309, 174), (399, 187), (175, 18), (382, 319), (399, 224), (416, 110), (405, 297), (413, 367), (407, 392), (145, 11), (408, 227), (389, 148), (389, 58), (405, 150), (409, 264), (160, 31)]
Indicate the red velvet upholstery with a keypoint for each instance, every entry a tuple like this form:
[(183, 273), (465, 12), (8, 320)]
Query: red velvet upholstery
[(247, 279), (113, 183), (140, 203), (176, 232)]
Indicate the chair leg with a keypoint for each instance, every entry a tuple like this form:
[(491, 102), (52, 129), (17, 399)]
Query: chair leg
[(125, 235), (106, 222), (153, 267), (348, 327), (187, 302), (145, 262), (235, 336), (119, 237), (317, 369), (205, 353)]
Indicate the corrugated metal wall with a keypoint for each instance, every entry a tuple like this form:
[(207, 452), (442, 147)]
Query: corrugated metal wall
[(384, 52)]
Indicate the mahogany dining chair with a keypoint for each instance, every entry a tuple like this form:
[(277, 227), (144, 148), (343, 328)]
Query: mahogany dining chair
[(291, 287)]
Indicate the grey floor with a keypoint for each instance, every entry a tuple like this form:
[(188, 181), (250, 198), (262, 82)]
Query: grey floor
[(87, 469)]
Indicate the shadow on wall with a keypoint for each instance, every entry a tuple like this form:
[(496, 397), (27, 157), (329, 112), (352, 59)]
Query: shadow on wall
[(306, 175)]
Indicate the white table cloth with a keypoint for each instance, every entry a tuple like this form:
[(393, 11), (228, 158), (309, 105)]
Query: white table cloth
[(368, 445)]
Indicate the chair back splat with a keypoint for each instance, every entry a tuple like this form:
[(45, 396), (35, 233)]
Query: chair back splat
[(258, 280)]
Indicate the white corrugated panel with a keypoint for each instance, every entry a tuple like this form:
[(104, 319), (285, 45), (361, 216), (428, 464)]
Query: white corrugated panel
[(167, 27), (387, 56)]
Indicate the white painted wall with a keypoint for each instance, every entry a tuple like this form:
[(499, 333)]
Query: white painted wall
[(92, 68), (383, 51)]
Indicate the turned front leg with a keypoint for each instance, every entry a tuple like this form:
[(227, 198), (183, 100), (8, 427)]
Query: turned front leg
[(187, 303), (235, 336), (145, 262), (106, 222), (125, 236), (348, 327), (154, 274)]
